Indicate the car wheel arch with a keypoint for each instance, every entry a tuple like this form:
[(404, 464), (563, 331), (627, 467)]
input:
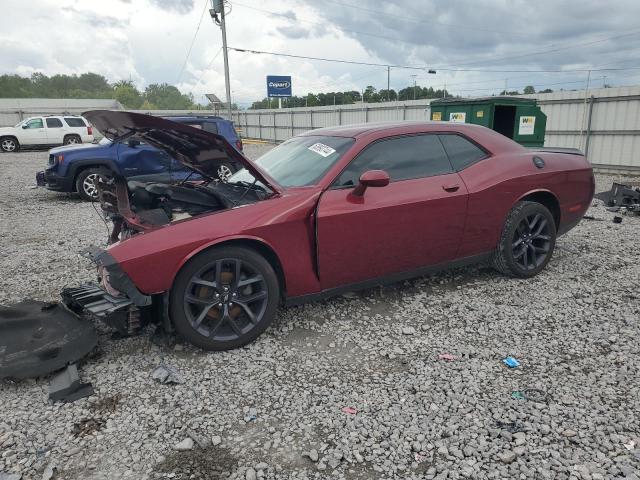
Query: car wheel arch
[(547, 199), (256, 244), (77, 169)]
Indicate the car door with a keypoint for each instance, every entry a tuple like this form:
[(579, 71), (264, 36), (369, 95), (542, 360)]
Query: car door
[(55, 130), (32, 132), (415, 221), (139, 158)]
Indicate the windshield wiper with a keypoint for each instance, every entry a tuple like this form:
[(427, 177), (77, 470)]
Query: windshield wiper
[(248, 185)]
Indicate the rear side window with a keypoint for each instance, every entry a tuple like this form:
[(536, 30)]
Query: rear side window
[(74, 122), (54, 123), (461, 151), (210, 127), (403, 158)]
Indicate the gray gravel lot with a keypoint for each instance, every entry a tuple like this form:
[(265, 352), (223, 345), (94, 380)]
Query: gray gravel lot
[(275, 408)]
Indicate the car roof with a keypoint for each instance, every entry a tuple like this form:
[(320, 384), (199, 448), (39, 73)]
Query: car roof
[(410, 126)]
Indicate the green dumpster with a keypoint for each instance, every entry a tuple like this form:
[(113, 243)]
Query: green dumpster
[(517, 118)]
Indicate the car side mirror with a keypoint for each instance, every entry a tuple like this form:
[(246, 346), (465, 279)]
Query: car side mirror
[(133, 143), (24, 127), (371, 178)]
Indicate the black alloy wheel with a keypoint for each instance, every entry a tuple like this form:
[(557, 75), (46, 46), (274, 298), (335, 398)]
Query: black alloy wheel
[(531, 241), (224, 298), (527, 242)]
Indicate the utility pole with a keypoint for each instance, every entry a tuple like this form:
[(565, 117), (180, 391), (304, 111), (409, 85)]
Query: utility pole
[(414, 86), (218, 8), (388, 82), (506, 92)]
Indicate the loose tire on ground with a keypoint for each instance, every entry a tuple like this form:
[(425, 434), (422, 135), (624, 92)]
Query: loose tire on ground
[(215, 308), (527, 241)]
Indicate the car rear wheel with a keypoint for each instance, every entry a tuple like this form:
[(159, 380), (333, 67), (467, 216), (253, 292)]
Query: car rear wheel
[(86, 184), (224, 298), (72, 140), (225, 170), (9, 144), (527, 241)]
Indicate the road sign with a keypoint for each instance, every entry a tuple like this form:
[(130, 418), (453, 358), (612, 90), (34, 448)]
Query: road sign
[(278, 86)]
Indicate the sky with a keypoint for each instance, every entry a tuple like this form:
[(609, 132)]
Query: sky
[(476, 46)]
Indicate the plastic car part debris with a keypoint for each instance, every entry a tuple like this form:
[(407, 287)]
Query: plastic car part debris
[(37, 338), (621, 197), (517, 395), (512, 427), (447, 356), (350, 410), (66, 386), (167, 374), (617, 219), (511, 362)]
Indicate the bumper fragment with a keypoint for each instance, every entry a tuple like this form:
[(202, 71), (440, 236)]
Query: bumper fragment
[(91, 300), (117, 277)]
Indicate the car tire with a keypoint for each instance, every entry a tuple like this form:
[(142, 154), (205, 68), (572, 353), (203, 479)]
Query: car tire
[(9, 144), (212, 310), (72, 140), (85, 184), (225, 170), (527, 241)]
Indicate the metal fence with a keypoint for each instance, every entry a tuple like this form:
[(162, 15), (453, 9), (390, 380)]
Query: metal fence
[(604, 123)]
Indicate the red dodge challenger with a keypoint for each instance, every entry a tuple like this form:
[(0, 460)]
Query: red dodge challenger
[(328, 211)]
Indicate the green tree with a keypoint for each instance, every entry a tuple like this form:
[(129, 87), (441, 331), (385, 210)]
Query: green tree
[(127, 94), (529, 90), (167, 97)]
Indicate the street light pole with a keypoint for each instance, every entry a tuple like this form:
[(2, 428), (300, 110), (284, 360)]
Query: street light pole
[(218, 8)]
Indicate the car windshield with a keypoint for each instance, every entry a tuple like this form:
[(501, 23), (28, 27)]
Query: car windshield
[(299, 161)]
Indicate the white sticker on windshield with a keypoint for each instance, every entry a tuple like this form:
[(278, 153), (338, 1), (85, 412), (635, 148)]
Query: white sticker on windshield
[(322, 149)]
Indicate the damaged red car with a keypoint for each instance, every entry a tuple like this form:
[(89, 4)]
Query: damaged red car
[(328, 211)]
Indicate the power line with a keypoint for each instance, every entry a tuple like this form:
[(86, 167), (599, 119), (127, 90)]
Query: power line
[(424, 67), (206, 2)]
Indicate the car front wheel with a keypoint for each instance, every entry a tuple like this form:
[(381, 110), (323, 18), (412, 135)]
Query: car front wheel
[(9, 144), (86, 184), (527, 242), (224, 298)]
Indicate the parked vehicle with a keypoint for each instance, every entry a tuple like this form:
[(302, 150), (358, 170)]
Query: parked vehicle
[(46, 131), (77, 168), (328, 211)]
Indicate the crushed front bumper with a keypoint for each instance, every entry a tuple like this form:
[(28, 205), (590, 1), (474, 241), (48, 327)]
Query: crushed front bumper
[(116, 301), (53, 181)]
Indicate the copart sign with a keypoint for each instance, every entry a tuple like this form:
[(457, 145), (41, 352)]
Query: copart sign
[(278, 86)]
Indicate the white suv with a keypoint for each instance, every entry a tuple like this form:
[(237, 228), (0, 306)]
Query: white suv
[(46, 131)]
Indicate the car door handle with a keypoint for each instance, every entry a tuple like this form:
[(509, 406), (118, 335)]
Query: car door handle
[(451, 188)]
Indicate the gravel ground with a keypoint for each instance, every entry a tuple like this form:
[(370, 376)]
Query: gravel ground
[(274, 409)]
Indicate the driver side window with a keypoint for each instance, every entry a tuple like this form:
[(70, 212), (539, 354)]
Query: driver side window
[(403, 158), (35, 123)]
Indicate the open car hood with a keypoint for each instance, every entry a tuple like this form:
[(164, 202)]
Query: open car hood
[(197, 149)]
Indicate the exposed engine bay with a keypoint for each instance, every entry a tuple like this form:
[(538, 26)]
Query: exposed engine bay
[(134, 206)]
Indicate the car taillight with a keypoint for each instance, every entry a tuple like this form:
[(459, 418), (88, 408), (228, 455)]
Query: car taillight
[(89, 130), (239, 144)]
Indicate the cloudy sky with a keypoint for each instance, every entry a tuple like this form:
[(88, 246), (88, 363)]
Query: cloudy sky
[(471, 43)]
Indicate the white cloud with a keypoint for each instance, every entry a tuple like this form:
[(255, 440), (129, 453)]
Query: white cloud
[(147, 41)]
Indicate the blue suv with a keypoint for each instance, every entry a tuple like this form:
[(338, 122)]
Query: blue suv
[(76, 168)]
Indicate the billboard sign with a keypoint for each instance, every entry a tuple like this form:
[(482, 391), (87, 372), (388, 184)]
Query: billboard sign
[(278, 86)]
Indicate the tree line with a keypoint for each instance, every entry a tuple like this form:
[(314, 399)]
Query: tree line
[(369, 95), (160, 96)]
